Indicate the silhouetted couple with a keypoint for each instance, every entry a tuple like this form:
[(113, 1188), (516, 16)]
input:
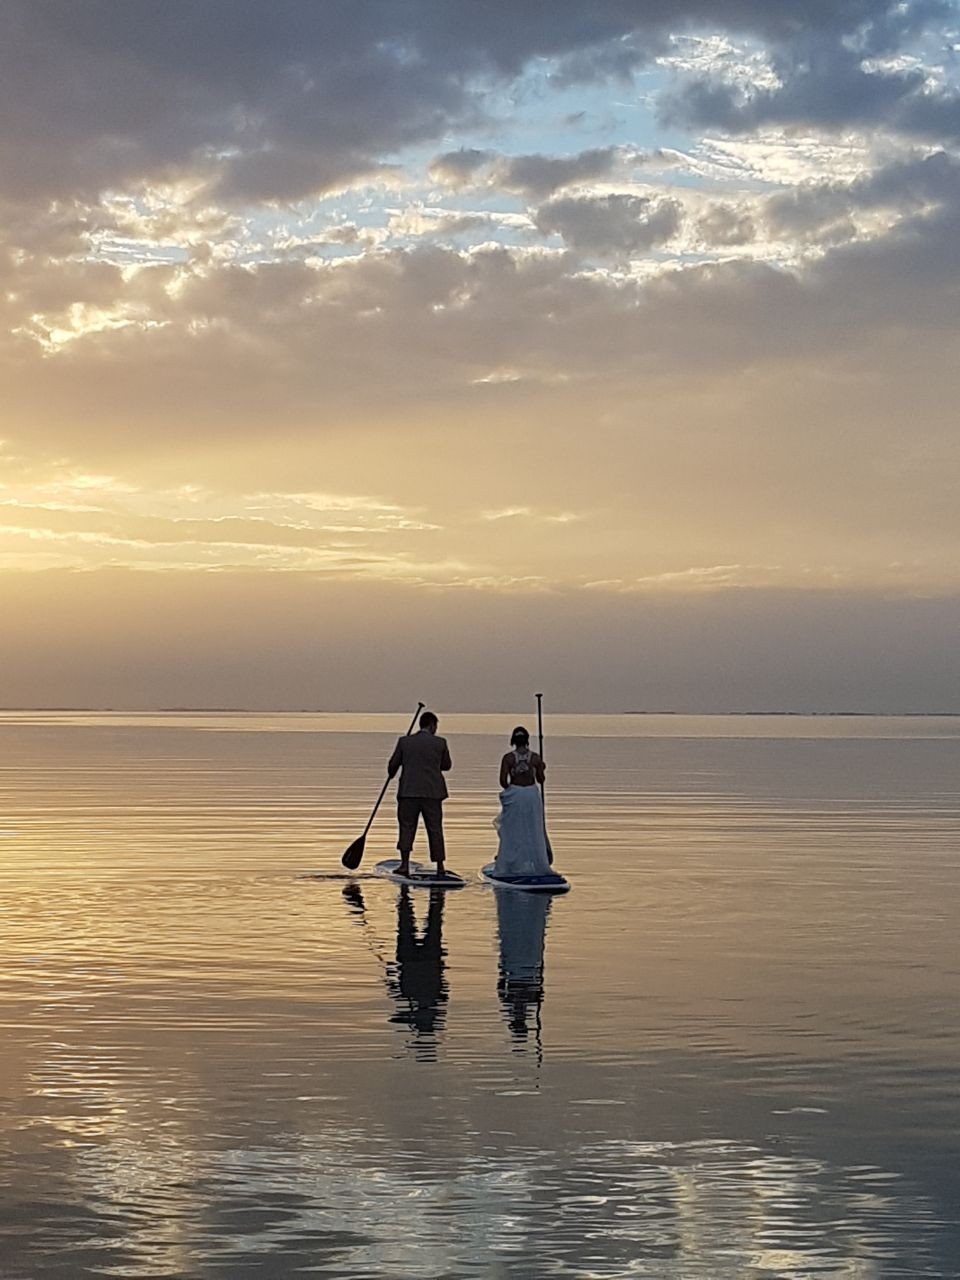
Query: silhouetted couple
[(424, 757)]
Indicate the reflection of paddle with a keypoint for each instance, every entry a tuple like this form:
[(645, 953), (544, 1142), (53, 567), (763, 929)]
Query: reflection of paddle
[(353, 896), (543, 798), (351, 859)]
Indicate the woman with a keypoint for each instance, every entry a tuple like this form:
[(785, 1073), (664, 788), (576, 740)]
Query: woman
[(523, 841)]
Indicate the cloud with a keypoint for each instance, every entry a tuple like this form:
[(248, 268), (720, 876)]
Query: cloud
[(534, 176), (538, 176), (423, 222), (273, 103), (277, 103), (823, 82), (190, 528), (905, 184), (725, 225), (459, 168), (610, 224), (529, 513), (233, 346), (507, 513)]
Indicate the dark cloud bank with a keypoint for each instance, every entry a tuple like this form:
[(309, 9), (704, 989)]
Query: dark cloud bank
[(146, 640), (275, 101)]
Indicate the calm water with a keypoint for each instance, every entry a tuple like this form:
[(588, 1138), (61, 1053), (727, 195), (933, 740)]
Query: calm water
[(731, 1051)]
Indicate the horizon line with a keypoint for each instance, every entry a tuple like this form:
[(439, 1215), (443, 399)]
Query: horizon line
[(267, 711)]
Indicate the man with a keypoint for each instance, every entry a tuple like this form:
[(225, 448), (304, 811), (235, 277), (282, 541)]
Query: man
[(422, 758)]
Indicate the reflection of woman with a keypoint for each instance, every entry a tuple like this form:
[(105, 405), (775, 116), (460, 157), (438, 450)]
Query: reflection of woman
[(523, 843), (522, 924)]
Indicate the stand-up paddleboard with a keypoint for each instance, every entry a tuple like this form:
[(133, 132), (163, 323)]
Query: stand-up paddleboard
[(552, 882), (420, 877)]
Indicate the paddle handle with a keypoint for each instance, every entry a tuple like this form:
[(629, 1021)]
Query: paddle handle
[(383, 789)]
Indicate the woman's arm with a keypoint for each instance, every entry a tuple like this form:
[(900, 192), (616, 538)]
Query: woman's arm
[(505, 771), (539, 768)]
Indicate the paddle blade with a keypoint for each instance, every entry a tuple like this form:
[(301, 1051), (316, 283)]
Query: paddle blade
[(351, 859)]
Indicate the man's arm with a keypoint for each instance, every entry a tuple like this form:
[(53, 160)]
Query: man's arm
[(445, 761), (396, 760)]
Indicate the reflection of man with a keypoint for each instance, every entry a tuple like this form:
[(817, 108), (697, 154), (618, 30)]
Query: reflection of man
[(422, 758), (417, 981)]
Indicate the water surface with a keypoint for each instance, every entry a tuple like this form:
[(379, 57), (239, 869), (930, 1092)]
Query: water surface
[(731, 1051)]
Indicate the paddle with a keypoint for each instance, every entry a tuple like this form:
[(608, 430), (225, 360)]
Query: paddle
[(351, 859), (543, 798)]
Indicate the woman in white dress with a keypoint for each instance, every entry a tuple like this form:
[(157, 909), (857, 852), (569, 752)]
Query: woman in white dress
[(523, 840)]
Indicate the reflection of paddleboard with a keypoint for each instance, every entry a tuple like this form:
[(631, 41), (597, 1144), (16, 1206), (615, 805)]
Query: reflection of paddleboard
[(551, 883), (420, 876)]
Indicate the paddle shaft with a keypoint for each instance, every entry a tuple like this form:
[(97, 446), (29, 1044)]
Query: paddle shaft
[(383, 789), (539, 697)]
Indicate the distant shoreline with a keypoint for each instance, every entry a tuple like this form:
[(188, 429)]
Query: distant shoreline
[(326, 711)]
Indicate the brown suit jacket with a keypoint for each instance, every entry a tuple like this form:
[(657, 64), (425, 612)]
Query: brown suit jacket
[(423, 758)]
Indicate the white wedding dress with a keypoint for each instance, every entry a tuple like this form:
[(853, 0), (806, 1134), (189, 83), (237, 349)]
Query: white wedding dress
[(523, 841)]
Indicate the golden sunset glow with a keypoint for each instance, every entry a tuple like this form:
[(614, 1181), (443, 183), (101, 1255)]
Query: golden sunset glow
[(641, 329)]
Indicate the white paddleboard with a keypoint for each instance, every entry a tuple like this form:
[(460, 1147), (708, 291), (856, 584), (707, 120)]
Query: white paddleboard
[(551, 883), (420, 877)]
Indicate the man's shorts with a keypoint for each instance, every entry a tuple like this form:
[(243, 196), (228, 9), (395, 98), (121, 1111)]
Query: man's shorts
[(409, 811)]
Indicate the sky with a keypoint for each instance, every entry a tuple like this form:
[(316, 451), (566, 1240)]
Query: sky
[(359, 353)]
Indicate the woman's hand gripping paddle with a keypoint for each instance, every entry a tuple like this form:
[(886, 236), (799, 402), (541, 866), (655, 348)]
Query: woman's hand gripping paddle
[(352, 858)]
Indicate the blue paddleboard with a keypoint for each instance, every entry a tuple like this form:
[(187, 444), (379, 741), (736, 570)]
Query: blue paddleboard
[(552, 882)]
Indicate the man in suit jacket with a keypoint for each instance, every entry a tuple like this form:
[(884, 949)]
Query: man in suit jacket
[(422, 758)]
